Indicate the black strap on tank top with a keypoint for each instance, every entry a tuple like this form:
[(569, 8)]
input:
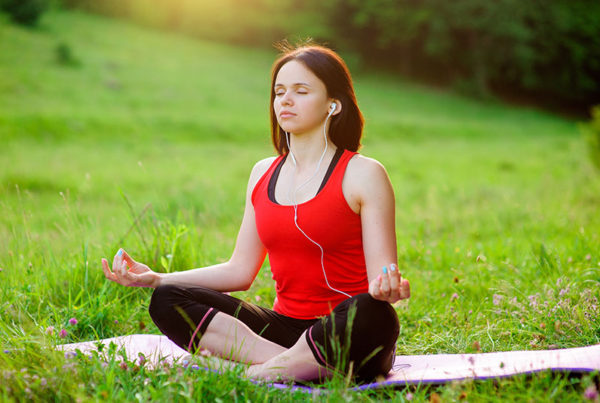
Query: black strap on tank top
[(273, 180)]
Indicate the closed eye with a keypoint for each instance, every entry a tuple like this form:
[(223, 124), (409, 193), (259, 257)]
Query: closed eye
[(301, 88)]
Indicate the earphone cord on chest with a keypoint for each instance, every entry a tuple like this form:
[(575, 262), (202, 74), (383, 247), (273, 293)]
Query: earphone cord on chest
[(292, 197)]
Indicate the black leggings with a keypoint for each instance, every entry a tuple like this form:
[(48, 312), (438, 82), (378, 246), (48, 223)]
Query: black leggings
[(183, 314)]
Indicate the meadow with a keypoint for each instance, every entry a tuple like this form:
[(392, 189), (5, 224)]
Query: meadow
[(113, 135)]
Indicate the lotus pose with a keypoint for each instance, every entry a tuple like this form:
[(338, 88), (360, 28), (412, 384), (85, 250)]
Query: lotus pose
[(324, 215)]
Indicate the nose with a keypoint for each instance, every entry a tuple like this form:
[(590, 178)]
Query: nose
[(286, 99)]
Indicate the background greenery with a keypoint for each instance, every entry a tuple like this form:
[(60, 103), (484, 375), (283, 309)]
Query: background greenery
[(535, 51), (546, 50), (113, 135)]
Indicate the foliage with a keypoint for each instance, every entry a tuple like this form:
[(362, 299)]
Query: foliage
[(592, 136), (65, 55), (546, 49), (549, 51), (148, 146), (26, 12)]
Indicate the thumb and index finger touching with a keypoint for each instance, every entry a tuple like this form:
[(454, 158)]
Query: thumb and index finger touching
[(128, 259), (124, 256)]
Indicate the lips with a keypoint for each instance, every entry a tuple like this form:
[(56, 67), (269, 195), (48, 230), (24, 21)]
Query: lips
[(286, 114)]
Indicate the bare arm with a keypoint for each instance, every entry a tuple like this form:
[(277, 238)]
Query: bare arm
[(372, 192), (236, 274)]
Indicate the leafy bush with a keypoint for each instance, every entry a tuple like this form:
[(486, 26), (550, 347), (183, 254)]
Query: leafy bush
[(64, 55), (26, 12), (545, 49)]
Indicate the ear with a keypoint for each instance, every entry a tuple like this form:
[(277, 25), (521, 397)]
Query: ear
[(338, 106)]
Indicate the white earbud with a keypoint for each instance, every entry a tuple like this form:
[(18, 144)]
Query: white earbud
[(332, 108)]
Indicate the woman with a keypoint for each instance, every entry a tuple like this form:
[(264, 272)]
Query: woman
[(325, 216)]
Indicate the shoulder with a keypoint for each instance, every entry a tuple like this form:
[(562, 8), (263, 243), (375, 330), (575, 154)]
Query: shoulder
[(364, 169), (366, 179), (259, 170), (262, 166)]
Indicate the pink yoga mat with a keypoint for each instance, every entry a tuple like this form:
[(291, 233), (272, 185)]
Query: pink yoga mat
[(407, 369)]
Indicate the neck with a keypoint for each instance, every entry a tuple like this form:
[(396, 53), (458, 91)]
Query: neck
[(308, 149)]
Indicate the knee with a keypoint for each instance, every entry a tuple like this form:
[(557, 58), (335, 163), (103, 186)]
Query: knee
[(373, 309), (375, 316), (376, 329)]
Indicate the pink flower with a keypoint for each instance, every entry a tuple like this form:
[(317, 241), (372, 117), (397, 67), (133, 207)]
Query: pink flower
[(50, 330), (497, 299), (62, 334), (72, 321), (533, 300), (454, 296), (409, 396), (590, 393)]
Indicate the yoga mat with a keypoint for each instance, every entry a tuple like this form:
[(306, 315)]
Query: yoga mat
[(407, 369), (155, 348)]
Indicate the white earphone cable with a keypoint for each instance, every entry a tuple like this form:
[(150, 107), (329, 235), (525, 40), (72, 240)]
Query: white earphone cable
[(292, 198)]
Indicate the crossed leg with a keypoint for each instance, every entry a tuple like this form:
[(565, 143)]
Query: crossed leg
[(276, 347), (296, 363), (231, 339), (176, 310), (228, 337)]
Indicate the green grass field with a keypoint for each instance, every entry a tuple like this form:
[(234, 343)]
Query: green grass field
[(145, 140)]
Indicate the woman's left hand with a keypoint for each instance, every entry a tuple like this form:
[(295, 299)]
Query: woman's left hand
[(389, 286)]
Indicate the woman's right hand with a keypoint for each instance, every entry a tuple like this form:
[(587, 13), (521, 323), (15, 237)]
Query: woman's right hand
[(128, 272)]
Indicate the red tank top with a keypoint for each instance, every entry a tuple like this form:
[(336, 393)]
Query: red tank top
[(301, 290)]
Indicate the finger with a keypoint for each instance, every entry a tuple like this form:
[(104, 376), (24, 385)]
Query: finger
[(124, 268), (385, 283), (394, 270), (120, 274), (114, 262), (105, 268), (107, 273), (128, 259), (375, 287), (394, 282), (134, 280), (117, 260), (404, 289), (127, 274)]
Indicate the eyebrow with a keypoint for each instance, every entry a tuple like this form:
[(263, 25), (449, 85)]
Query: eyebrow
[(293, 85)]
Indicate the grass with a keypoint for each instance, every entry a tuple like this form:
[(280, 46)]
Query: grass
[(145, 141)]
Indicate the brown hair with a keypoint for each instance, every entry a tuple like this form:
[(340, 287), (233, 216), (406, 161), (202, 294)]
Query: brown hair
[(346, 127)]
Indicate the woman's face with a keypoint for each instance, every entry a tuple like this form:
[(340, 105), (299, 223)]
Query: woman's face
[(301, 103)]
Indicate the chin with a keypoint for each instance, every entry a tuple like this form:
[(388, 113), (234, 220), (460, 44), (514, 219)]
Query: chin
[(286, 127)]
